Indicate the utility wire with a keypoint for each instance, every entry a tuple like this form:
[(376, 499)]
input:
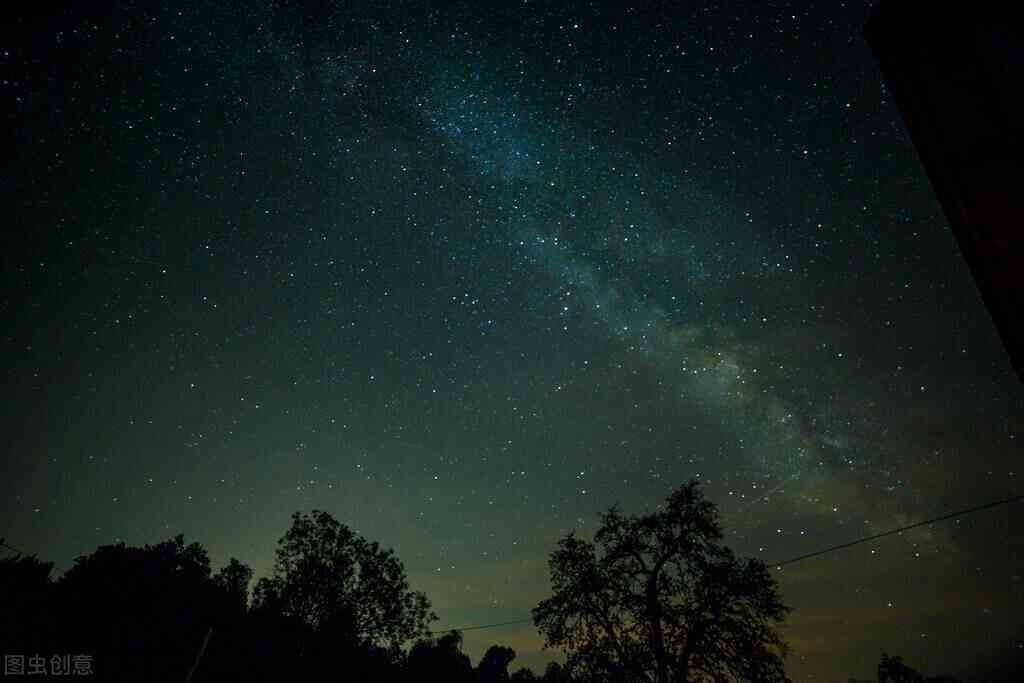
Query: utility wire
[(477, 628), (818, 553), (891, 532), (777, 565)]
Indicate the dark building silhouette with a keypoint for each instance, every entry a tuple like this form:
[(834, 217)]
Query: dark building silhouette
[(954, 70)]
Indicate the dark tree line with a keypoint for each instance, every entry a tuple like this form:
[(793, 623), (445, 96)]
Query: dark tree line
[(336, 607), (653, 598), (893, 670)]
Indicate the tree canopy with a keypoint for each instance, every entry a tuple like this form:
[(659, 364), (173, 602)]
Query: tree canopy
[(442, 657), (658, 597), (330, 578), (493, 666), (143, 611), (654, 598), (894, 670)]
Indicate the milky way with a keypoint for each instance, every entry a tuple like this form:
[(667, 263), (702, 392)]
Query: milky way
[(466, 274), (639, 272)]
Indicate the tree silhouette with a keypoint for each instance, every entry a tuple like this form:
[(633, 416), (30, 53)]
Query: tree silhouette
[(234, 579), (26, 624), (523, 675), (440, 660), (893, 670), (333, 581), (556, 673), (658, 598), (493, 666), (143, 611)]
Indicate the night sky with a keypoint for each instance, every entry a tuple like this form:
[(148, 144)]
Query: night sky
[(464, 275)]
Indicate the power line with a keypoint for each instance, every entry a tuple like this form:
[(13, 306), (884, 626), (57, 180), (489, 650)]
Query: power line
[(777, 565), (891, 532), (807, 556), (477, 628)]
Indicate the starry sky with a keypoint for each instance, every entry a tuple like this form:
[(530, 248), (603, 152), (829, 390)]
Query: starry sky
[(465, 274)]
